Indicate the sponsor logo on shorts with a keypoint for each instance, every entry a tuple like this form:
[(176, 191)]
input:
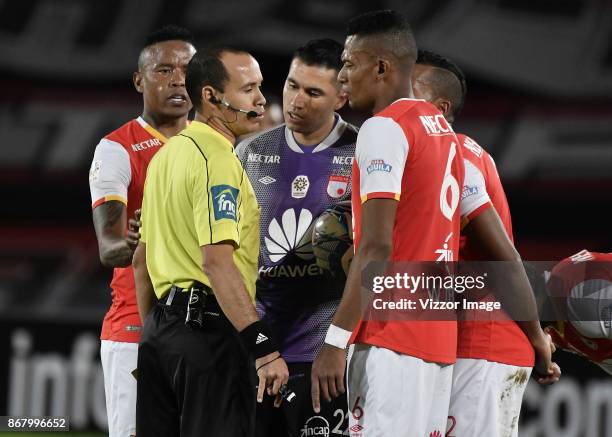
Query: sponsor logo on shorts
[(379, 165), (315, 426), (356, 430), (435, 433)]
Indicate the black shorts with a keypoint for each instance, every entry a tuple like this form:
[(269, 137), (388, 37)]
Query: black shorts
[(297, 418), (193, 382)]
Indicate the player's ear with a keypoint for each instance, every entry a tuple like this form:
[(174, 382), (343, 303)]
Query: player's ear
[(137, 79), (382, 68), (444, 106)]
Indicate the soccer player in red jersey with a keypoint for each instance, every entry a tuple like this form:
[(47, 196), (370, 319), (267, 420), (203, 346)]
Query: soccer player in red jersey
[(407, 179), (116, 181), (496, 349)]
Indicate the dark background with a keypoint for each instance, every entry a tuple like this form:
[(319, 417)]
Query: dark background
[(539, 100)]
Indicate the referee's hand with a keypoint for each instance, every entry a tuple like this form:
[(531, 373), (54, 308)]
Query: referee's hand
[(273, 374)]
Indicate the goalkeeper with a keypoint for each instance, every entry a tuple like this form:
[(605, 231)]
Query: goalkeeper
[(298, 170)]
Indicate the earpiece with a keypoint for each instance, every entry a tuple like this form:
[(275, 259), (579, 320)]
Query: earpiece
[(213, 99), (381, 68)]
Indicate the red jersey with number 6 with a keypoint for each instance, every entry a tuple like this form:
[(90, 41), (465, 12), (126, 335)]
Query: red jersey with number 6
[(408, 152)]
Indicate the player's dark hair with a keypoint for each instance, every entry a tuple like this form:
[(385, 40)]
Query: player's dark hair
[(455, 90), (392, 25), (324, 52), (206, 68), (169, 32)]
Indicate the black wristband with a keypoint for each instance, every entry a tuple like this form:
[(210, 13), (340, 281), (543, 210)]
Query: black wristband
[(257, 338)]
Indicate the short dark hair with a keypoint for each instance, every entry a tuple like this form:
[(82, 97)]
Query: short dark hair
[(207, 69), (387, 23), (169, 32), (324, 52), (454, 90)]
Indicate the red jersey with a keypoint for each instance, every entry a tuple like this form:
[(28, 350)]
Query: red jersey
[(585, 280), (408, 152), (118, 173), (493, 340)]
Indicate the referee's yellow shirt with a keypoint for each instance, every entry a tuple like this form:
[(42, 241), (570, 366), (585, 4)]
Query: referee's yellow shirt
[(196, 193)]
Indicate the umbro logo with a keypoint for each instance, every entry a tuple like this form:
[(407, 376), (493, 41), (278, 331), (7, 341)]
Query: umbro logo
[(260, 338), (267, 180)]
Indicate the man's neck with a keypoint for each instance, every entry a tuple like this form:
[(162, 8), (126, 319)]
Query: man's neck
[(314, 138), (391, 95), (166, 126), (216, 124)]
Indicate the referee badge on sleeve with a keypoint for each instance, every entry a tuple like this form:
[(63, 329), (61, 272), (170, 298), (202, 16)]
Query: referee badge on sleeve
[(224, 202)]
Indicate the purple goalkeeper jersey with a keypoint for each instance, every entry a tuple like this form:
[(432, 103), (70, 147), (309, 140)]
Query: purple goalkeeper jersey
[(293, 185)]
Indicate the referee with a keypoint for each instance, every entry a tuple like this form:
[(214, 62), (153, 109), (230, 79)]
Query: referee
[(198, 256)]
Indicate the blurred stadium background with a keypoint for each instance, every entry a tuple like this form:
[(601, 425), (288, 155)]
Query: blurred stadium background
[(540, 100)]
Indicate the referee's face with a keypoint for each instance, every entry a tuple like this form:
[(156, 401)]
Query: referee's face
[(243, 91)]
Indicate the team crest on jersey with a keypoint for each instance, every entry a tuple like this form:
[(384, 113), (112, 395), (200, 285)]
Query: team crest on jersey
[(224, 202), (337, 185), (299, 187)]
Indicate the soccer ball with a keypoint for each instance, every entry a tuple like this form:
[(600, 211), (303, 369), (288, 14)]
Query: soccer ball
[(332, 236)]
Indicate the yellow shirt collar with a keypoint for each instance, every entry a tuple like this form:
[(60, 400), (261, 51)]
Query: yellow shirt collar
[(198, 126)]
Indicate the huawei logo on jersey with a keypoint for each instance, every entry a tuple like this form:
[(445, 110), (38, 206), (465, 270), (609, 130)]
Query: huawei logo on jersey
[(294, 235)]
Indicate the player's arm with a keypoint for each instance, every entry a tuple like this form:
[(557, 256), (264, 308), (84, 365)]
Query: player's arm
[(379, 140), (116, 247), (487, 233), (109, 177), (145, 295)]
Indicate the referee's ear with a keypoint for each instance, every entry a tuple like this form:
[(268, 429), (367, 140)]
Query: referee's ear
[(137, 79), (209, 97)]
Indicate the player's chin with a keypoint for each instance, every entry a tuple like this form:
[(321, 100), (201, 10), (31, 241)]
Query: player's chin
[(175, 110)]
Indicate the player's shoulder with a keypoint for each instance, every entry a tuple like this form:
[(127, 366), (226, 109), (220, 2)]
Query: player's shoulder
[(125, 134), (263, 139), (348, 136), (471, 145), (408, 108)]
